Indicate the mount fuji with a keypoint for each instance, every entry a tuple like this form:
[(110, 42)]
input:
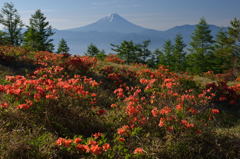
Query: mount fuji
[(112, 23), (114, 29)]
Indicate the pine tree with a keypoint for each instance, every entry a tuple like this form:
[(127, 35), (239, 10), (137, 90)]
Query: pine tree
[(38, 33), (92, 50), (127, 50), (179, 54), (199, 59), (63, 47), (143, 52), (101, 55), (4, 40), (222, 52), (168, 52), (160, 57), (234, 41), (10, 19), (221, 39)]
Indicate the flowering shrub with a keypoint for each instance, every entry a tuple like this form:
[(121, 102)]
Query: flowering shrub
[(46, 58), (114, 59), (13, 51), (95, 145), (30, 91), (141, 112), (225, 95), (120, 76), (79, 64)]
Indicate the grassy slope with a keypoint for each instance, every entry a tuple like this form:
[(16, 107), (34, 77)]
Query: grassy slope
[(22, 136)]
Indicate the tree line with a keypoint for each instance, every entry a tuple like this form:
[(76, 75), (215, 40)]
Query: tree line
[(37, 36), (203, 53)]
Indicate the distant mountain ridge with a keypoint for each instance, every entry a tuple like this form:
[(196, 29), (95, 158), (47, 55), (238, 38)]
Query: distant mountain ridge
[(114, 29)]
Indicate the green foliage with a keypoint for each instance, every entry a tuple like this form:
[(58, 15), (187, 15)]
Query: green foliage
[(127, 50), (178, 63), (143, 51), (159, 57), (227, 48), (62, 47), (101, 55), (234, 40), (92, 50), (37, 35), (199, 59), (4, 40), (171, 55), (10, 19), (168, 53), (134, 53), (222, 52)]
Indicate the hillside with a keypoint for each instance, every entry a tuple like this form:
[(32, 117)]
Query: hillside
[(61, 106)]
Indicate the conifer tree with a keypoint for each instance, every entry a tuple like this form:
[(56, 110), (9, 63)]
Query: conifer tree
[(10, 19), (199, 59), (178, 63), (222, 52), (160, 58), (143, 51), (168, 53), (92, 50), (38, 34), (234, 41), (127, 50), (4, 40), (221, 39), (101, 55), (63, 47)]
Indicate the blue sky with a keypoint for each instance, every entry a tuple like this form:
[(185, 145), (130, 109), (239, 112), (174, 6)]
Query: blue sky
[(155, 14)]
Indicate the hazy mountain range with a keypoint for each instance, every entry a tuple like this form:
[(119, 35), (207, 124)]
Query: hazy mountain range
[(114, 29)]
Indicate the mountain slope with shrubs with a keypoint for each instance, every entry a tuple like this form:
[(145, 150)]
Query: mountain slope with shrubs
[(62, 106)]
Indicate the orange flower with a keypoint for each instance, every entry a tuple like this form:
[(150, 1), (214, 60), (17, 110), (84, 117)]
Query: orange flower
[(94, 95), (161, 122), (154, 112), (77, 140), (113, 105), (166, 110), (97, 135), (4, 105), (83, 147), (123, 130), (215, 111), (60, 141), (23, 106), (80, 147), (96, 150), (192, 110), (138, 150), (50, 96), (179, 107), (37, 96), (67, 142), (92, 142), (121, 139), (106, 147), (187, 124)]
